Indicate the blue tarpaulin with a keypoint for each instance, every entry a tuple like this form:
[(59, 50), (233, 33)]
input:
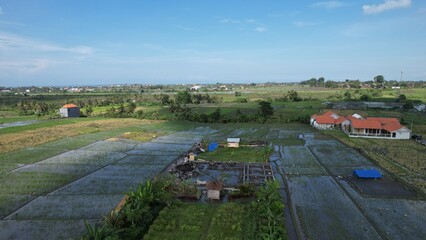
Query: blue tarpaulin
[(213, 146), (372, 173)]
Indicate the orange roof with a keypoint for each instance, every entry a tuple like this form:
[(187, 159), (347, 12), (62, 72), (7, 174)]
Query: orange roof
[(328, 117), (366, 123), (388, 124), (325, 120), (392, 127), (384, 120), (340, 120), (69, 105)]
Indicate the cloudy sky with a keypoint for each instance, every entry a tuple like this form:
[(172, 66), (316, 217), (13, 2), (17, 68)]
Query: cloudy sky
[(80, 42)]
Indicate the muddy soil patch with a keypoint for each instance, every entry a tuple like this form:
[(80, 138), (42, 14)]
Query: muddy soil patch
[(385, 187)]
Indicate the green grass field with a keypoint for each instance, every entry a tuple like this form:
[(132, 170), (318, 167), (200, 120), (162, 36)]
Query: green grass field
[(199, 221), (241, 154)]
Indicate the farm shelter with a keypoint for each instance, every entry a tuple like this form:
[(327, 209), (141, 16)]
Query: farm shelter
[(69, 110), (328, 120), (213, 189), (368, 174), (233, 142), (373, 127)]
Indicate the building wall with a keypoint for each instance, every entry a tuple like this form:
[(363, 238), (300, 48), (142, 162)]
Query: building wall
[(323, 126), (69, 112), (233, 145), (63, 112), (213, 194), (403, 134)]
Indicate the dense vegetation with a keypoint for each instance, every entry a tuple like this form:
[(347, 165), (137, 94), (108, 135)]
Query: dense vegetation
[(143, 210)]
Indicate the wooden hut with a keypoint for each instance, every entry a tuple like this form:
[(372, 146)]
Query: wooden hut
[(213, 189)]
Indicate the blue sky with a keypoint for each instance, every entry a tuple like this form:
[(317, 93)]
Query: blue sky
[(80, 42)]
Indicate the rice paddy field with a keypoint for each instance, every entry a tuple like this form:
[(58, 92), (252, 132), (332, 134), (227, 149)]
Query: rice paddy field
[(53, 183)]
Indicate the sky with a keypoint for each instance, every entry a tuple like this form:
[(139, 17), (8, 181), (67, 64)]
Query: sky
[(80, 42)]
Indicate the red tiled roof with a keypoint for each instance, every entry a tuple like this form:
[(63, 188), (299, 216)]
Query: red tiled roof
[(384, 120), (388, 124), (390, 127), (328, 117), (325, 120), (69, 105), (369, 124), (340, 120)]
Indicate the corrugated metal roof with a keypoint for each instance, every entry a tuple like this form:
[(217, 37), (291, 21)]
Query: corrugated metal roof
[(233, 140)]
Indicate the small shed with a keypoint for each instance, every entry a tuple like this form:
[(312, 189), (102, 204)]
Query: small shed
[(191, 156), (233, 142), (213, 189), (368, 174), (69, 110)]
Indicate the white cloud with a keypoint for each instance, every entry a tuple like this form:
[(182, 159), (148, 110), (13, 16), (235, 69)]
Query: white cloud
[(330, 4), (18, 43), (27, 65), (227, 20), (185, 28), (387, 5), (261, 29), (304, 24)]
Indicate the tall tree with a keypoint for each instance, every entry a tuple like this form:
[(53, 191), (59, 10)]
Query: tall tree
[(183, 97), (265, 109), (379, 80)]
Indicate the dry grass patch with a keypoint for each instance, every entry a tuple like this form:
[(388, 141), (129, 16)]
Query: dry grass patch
[(14, 141), (141, 136)]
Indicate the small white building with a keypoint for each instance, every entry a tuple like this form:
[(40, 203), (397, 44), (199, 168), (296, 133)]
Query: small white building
[(233, 142), (195, 88), (69, 110)]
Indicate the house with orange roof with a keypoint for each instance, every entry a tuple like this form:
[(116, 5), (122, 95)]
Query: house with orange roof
[(69, 110), (357, 126), (328, 120), (375, 127)]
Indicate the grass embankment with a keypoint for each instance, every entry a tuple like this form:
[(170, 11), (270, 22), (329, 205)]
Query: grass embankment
[(403, 158), (57, 130), (241, 154), (199, 221)]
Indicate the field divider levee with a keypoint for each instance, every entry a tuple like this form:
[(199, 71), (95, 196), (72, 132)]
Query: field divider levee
[(295, 220), (369, 220)]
